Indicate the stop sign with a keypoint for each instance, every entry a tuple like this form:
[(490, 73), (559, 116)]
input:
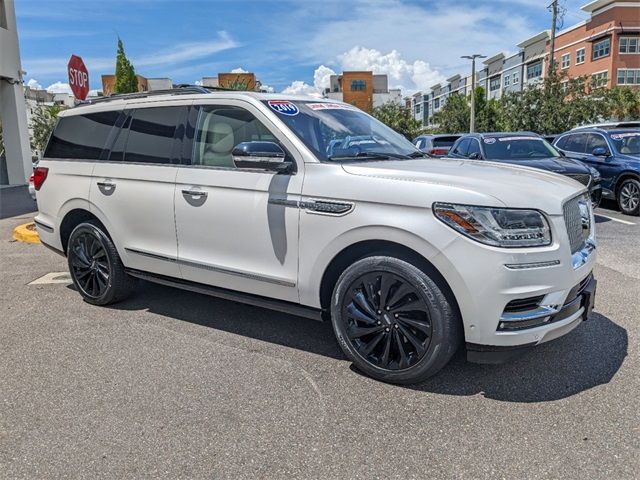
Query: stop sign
[(78, 77)]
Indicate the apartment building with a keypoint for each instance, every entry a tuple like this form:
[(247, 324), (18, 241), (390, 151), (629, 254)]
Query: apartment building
[(605, 47), (364, 89)]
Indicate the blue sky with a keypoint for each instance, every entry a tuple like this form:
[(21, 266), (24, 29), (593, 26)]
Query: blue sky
[(291, 45)]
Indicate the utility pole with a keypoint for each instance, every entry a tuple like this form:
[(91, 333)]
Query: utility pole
[(472, 122), (554, 20)]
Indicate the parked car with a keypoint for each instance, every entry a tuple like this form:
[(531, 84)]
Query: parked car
[(435, 145), (608, 125), (528, 150), (233, 194), (615, 153)]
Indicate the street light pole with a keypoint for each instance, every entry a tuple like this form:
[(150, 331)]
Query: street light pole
[(472, 123)]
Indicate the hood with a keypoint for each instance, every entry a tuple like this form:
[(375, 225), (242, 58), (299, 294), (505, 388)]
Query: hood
[(466, 181), (560, 165)]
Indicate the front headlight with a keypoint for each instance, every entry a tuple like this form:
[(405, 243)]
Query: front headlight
[(500, 227), (595, 174)]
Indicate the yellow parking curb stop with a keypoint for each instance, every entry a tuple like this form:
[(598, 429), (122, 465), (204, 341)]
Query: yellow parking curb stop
[(26, 233)]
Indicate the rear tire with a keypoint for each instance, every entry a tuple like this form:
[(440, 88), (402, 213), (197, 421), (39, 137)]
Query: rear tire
[(629, 196), (393, 321), (95, 266)]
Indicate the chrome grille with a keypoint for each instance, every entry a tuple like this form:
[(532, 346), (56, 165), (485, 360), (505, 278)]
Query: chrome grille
[(583, 178), (577, 219)]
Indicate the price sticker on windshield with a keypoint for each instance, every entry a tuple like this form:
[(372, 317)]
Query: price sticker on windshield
[(284, 107)]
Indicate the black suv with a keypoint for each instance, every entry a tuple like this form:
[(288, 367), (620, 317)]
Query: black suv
[(529, 150)]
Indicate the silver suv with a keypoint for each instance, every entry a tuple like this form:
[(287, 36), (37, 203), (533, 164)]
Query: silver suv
[(317, 209)]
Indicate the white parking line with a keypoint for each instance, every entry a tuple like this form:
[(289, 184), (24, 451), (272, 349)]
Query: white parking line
[(615, 219)]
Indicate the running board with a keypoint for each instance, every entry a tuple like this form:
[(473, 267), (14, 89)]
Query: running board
[(249, 299)]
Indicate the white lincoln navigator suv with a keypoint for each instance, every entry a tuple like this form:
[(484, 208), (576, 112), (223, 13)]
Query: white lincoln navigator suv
[(314, 208)]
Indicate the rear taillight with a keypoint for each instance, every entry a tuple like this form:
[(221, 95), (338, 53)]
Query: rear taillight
[(39, 176), (439, 151)]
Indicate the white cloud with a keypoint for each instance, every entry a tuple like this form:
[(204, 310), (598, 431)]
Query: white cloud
[(59, 87), (267, 88), (320, 82), (239, 70), (33, 84), (198, 82)]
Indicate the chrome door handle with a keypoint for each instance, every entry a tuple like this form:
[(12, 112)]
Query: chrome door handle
[(106, 184), (194, 193)]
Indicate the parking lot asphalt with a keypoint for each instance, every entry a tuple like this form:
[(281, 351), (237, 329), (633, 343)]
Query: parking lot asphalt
[(178, 385)]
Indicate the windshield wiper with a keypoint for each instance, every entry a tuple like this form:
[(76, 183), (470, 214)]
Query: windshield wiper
[(363, 156)]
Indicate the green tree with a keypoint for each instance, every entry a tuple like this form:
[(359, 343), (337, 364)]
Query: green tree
[(399, 118), (623, 103), (43, 121), (126, 81), (454, 117)]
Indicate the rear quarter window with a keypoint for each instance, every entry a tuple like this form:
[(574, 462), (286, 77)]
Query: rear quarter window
[(81, 136), (152, 134)]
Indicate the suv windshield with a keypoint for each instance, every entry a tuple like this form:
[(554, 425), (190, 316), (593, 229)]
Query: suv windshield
[(518, 148), (338, 131), (626, 142)]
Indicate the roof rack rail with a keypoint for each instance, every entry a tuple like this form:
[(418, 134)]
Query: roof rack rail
[(177, 90)]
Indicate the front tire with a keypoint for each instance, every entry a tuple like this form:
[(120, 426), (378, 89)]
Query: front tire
[(393, 321), (629, 196), (95, 266)]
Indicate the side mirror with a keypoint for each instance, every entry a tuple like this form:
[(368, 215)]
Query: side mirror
[(475, 156), (600, 152), (260, 156)]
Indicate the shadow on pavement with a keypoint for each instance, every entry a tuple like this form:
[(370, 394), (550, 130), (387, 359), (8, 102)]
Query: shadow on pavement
[(587, 357), (16, 201)]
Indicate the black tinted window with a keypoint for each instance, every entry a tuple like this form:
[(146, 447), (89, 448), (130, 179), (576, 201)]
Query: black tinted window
[(575, 143), (152, 133), (462, 146), (81, 136), (444, 141), (474, 147)]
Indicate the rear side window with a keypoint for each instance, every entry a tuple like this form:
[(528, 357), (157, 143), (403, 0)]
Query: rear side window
[(81, 136), (151, 135), (574, 143)]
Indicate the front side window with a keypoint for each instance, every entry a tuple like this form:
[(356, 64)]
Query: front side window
[(358, 85), (81, 136), (222, 127), (518, 148), (474, 147), (601, 48), (152, 134), (595, 140), (534, 70), (580, 56), (338, 132), (629, 45), (566, 60), (462, 147)]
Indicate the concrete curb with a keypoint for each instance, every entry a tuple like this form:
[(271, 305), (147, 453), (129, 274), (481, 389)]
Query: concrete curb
[(26, 233)]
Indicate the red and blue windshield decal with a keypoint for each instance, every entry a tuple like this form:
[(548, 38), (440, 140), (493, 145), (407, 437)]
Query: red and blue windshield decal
[(284, 107)]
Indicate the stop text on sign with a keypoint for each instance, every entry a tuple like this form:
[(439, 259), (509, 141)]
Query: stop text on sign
[(78, 78)]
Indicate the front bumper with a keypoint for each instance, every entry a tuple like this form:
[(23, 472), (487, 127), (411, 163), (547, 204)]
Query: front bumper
[(575, 310)]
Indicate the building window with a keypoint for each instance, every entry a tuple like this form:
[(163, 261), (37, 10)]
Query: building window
[(534, 70), (564, 85), (629, 45), (599, 79), (507, 80), (436, 104), (494, 84), (566, 60), (629, 76), (358, 85), (601, 48), (3, 15), (417, 108), (516, 78), (579, 56)]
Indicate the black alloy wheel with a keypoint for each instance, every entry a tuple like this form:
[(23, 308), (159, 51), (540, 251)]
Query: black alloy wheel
[(95, 266), (90, 265), (388, 321)]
